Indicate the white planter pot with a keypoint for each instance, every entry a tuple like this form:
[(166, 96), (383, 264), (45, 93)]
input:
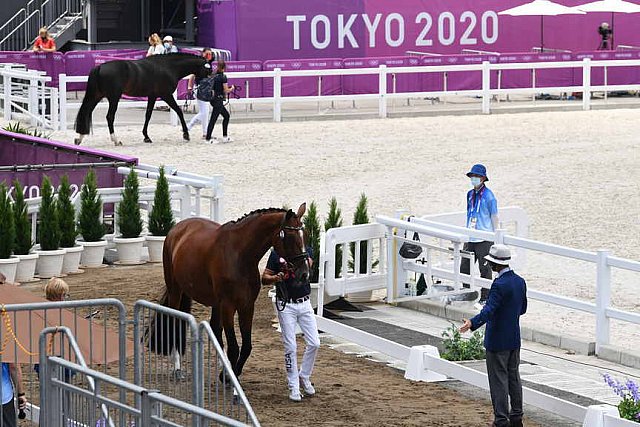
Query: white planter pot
[(49, 263), (8, 267), (364, 296), (129, 250), (93, 253), (154, 245), (72, 260), (26, 268)]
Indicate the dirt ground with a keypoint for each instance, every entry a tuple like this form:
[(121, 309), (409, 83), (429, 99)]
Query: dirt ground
[(350, 390)]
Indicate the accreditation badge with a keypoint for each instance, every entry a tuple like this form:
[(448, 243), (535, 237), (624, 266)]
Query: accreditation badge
[(473, 222)]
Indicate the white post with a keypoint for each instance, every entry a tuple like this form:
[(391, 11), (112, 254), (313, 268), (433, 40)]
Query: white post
[(7, 97), (33, 101), (391, 266), (457, 261), (173, 115), (55, 119), (277, 95), (321, 274), (500, 232), (586, 84), (486, 87), (382, 91), (603, 298), (62, 94)]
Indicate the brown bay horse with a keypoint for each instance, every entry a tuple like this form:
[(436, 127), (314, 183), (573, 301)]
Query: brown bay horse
[(217, 266)]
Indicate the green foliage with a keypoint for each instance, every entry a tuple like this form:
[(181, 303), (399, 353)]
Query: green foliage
[(129, 220), (334, 220), (66, 215), (629, 393), (49, 229), (360, 216), (161, 216), (458, 348), (18, 128), (312, 228), (22, 223), (89, 224), (7, 224)]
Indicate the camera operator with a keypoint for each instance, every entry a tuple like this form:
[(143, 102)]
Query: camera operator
[(606, 33)]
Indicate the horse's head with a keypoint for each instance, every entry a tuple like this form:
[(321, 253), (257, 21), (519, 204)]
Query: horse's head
[(204, 70), (289, 243)]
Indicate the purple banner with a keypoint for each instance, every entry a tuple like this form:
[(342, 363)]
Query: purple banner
[(369, 83), (543, 78), (251, 88), (285, 29), (51, 63), (305, 86), (19, 150), (615, 75)]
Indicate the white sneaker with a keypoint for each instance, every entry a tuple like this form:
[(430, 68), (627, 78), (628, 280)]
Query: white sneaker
[(307, 387), (227, 139), (294, 395)]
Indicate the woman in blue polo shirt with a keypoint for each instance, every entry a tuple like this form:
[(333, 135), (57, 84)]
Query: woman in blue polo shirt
[(482, 214)]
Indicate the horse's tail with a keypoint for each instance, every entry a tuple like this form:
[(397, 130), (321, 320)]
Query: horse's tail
[(91, 97), (165, 332)]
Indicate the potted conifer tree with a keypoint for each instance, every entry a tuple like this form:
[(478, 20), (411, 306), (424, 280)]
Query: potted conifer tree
[(312, 228), (360, 216), (8, 263), (89, 223), (24, 242), (68, 229), (129, 243), (160, 218), (50, 256)]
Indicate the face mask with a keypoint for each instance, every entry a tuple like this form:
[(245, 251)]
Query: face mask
[(167, 45), (475, 181)]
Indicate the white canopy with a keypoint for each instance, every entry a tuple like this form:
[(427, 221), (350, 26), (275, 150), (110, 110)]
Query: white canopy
[(613, 6), (542, 8)]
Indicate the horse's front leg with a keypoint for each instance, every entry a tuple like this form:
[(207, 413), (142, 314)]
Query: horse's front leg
[(178, 374), (245, 320), (171, 102), (151, 102), (111, 116)]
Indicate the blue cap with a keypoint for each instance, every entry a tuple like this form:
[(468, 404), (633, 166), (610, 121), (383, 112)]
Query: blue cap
[(479, 170)]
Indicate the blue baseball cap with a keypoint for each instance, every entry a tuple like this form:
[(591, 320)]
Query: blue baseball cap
[(479, 170)]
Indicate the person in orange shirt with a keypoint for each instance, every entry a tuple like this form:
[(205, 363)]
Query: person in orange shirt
[(44, 42)]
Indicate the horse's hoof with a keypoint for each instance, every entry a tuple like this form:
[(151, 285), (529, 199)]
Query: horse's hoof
[(185, 136), (76, 141), (119, 143), (178, 375), (148, 140)]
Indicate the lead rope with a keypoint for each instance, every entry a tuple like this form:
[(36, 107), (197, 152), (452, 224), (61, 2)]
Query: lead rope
[(7, 321)]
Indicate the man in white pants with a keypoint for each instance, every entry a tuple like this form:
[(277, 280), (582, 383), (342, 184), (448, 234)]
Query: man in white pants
[(203, 106), (298, 310)]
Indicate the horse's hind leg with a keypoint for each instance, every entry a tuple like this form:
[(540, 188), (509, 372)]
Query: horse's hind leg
[(150, 104), (171, 102), (111, 116), (245, 319)]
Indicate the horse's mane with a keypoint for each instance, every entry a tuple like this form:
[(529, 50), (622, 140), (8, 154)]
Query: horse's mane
[(256, 213)]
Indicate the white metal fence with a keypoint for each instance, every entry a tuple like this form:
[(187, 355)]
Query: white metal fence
[(26, 92)]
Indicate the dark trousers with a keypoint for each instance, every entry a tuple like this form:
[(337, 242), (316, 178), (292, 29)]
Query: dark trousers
[(9, 414), (218, 109), (480, 249), (503, 370)]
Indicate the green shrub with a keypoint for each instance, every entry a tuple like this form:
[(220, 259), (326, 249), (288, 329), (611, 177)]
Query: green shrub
[(312, 228), (18, 128), (7, 224), (66, 215), (129, 220), (360, 216), (161, 216), (89, 224), (49, 228), (22, 224), (334, 220), (459, 348)]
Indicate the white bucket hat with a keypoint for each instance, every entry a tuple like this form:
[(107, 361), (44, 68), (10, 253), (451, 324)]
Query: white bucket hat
[(167, 39), (499, 254)]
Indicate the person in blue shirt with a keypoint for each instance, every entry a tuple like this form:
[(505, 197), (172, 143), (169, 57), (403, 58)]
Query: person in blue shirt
[(506, 303), (11, 378), (482, 214)]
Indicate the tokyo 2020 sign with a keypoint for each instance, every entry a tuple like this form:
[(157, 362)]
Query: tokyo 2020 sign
[(287, 29)]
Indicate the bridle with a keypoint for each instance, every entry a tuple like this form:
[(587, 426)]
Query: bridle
[(291, 262), (288, 268)]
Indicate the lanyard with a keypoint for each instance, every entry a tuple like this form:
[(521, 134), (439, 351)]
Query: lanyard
[(475, 202)]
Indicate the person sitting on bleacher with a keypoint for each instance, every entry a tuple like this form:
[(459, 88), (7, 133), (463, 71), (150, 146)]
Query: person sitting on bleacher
[(44, 42)]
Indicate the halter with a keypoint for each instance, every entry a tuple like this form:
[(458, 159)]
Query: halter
[(303, 255)]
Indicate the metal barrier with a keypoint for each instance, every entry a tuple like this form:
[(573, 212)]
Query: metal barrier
[(221, 391), (161, 362)]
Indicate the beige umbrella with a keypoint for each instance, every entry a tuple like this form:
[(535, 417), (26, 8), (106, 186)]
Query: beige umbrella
[(541, 8), (20, 331)]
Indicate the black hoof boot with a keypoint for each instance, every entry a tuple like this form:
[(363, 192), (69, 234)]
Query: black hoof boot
[(147, 140), (76, 141), (185, 136), (178, 375)]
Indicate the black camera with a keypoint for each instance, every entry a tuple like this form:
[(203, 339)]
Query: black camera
[(605, 32)]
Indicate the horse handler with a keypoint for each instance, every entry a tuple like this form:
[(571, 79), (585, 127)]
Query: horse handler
[(506, 303), (297, 310)]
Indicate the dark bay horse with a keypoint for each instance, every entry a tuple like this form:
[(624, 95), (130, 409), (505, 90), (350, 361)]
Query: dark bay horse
[(217, 266), (152, 77)]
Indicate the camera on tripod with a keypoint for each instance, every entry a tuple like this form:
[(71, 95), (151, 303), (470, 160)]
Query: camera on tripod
[(604, 31)]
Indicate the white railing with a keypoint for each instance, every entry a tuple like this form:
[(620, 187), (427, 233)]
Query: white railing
[(397, 268), (187, 191), (26, 92)]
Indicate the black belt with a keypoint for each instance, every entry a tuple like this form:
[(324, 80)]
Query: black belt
[(298, 300)]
